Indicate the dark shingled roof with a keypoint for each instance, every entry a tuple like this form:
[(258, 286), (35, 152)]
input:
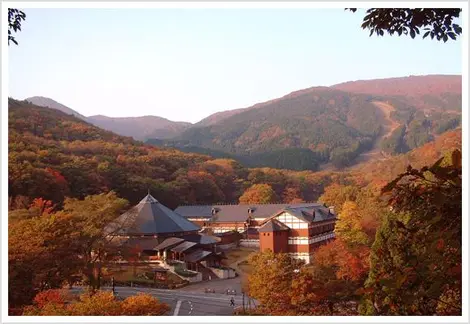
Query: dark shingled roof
[(197, 255), (239, 213), (273, 225), (309, 214), (142, 242), (202, 239), (151, 217), (183, 246), (169, 242)]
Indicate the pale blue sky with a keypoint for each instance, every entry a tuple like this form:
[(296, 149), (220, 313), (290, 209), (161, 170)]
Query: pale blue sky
[(185, 64)]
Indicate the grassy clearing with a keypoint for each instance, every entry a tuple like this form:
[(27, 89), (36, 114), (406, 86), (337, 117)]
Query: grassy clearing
[(238, 254), (137, 274)]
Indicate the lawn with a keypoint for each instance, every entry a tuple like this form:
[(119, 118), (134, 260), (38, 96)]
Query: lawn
[(140, 274), (238, 254)]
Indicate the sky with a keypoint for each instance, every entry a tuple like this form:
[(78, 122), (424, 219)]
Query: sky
[(185, 64)]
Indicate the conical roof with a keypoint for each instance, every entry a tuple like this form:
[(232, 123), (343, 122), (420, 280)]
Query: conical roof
[(151, 217)]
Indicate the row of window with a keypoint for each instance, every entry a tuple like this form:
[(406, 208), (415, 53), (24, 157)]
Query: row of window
[(306, 240), (296, 225)]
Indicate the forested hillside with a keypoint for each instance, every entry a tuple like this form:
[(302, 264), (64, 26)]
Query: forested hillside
[(318, 126), (53, 155), (49, 103), (425, 92), (311, 129)]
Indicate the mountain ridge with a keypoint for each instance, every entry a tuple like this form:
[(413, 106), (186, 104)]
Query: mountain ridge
[(322, 125), (139, 127)]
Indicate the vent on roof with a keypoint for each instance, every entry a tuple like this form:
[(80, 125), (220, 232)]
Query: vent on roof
[(331, 209)]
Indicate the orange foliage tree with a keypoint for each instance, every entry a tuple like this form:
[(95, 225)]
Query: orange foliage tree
[(258, 194), (59, 302)]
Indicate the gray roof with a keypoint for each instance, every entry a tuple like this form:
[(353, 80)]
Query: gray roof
[(202, 239), (169, 242), (311, 214), (183, 246), (151, 217), (239, 213), (142, 242), (197, 255), (273, 225)]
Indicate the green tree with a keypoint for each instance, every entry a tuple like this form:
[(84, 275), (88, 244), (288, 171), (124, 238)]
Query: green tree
[(435, 22), (92, 217), (416, 261)]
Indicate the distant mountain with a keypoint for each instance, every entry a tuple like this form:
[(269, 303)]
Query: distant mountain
[(379, 117), (140, 127), (49, 103), (221, 115), (426, 92), (318, 127), (218, 117), (330, 124)]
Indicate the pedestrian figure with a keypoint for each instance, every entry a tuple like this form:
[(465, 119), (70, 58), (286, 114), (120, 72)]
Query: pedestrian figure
[(232, 302)]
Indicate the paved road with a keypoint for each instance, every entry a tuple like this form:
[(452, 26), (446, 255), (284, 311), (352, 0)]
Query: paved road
[(186, 303), (219, 285)]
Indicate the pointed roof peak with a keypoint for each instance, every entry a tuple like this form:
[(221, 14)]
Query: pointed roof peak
[(149, 199), (152, 217)]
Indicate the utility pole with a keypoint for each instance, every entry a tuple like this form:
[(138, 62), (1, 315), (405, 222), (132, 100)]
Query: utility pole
[(243, 302)]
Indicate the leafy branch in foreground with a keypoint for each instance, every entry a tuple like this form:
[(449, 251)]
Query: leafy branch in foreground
[(15, 17), (438, 23)]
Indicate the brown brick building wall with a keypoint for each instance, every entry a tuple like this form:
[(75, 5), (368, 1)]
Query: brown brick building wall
[(274, 241)]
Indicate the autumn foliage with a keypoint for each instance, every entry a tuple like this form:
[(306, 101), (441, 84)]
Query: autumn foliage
[(61, 171), (258, 194), (50, 249), (59, 302)]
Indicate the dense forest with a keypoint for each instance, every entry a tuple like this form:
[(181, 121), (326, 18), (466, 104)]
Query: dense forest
[(53, 155), (317, 126)]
